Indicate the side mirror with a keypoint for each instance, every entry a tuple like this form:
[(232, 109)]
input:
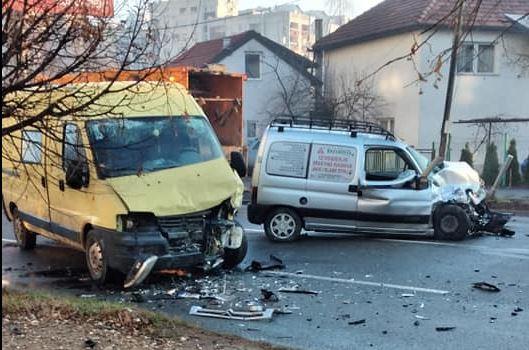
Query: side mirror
[(421, 183), (76, 174), (237, 163)]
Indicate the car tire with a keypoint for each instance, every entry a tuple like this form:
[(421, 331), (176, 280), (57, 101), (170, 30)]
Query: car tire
[(26, 240), (97, 259), (233, 257), (451, 223), (283, 225)]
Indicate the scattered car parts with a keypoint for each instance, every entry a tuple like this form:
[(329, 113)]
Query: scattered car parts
[(231, 314)]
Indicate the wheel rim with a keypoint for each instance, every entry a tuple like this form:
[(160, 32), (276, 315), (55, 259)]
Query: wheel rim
[(282, 226), (19, 229), (95, 259), (449, 223)]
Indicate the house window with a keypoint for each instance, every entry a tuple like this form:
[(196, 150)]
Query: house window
[(251, 129), (253, 65), (476, 58), (182, 10), (193, 9), (387, 123), (31, 146)]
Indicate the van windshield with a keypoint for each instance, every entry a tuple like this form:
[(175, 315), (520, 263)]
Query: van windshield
[(421, 160), (126, 146)]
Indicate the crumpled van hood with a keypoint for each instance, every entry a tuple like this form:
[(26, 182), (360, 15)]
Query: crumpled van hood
[(182, 190), (452, 181)]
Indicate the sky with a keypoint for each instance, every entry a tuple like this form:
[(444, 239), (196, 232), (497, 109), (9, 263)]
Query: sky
[(359, 6)]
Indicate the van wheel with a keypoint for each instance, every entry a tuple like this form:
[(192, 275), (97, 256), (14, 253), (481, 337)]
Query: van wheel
[(26, 239), (96, 259), (283, 225), (451, 223), (233, 257)]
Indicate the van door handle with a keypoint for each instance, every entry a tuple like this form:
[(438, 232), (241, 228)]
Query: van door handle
[(355, 189), (43, 181), (61, 185)]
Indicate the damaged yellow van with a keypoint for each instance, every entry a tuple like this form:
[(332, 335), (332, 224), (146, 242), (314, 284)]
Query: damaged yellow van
[(144, 188)]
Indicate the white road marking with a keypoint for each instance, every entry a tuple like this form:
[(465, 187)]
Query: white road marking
[(8, 240), (501, 252), (364, 283)]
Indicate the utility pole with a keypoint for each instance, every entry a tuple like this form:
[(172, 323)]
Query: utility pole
[(451, 78)]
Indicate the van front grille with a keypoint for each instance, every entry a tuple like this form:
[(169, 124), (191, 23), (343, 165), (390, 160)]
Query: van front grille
[(182, 223)]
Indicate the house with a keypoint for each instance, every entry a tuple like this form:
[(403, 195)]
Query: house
[(278, 81), (492, 79)]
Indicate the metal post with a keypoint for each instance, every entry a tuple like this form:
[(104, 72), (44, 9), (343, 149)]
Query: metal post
[(451, 79), (500, 174)]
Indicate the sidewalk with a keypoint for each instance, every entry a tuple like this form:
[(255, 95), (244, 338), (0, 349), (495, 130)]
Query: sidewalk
[(509, 194)]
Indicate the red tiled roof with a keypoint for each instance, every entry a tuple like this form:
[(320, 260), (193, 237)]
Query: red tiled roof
[(398, 16), (206, 52), (213, 51)]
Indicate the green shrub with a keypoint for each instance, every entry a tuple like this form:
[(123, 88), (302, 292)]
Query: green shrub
[(491, 168), (513, 173), (466, 155), (526, 171)]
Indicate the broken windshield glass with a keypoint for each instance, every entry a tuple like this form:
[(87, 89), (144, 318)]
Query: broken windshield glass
[(127, 146)]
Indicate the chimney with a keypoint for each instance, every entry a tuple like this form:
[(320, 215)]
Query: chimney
[(318, 28), (226, 42), (318, 60)]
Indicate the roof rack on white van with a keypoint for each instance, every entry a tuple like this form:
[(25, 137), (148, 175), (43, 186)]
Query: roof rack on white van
[(352, 126)]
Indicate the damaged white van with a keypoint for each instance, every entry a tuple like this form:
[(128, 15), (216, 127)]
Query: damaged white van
[(353, 176)]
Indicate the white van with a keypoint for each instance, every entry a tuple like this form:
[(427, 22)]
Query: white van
[(352, 176)]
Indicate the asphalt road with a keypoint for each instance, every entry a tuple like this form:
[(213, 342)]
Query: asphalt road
[(403, 287)]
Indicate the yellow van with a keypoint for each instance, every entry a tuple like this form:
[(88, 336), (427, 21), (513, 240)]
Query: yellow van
[(143, 188)]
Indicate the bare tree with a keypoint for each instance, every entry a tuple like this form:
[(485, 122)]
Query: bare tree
[(339, 7), (46, 45), (295, 96), (353, 97)]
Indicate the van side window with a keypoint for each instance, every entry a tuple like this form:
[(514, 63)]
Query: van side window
[(31, 146), (385, 165), (288, 159), (332, 163), (72, 148)]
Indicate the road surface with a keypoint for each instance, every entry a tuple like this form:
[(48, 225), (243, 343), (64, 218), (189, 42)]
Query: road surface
[(403, 287)]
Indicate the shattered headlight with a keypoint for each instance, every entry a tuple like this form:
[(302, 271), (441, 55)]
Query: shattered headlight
[(136, 222)]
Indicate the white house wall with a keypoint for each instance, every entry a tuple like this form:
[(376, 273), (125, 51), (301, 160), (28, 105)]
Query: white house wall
[(261, 97), (401, 101), (503, 93)]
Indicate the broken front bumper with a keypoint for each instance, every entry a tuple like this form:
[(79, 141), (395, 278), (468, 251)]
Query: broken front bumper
[(124, 249)]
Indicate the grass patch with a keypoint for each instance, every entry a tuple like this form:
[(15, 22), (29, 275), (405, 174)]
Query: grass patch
[(22, 306)]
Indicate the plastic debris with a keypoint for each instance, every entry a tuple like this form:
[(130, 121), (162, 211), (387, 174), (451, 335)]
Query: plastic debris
[(422, 317), (89, 343), (297, 290), (487, 287), (268, 295), (357, 322), (407, 295), (275, 263), (445, 328), (139, 271), (231, 314)]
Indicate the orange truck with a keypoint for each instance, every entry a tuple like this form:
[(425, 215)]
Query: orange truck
[(217, 92)]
